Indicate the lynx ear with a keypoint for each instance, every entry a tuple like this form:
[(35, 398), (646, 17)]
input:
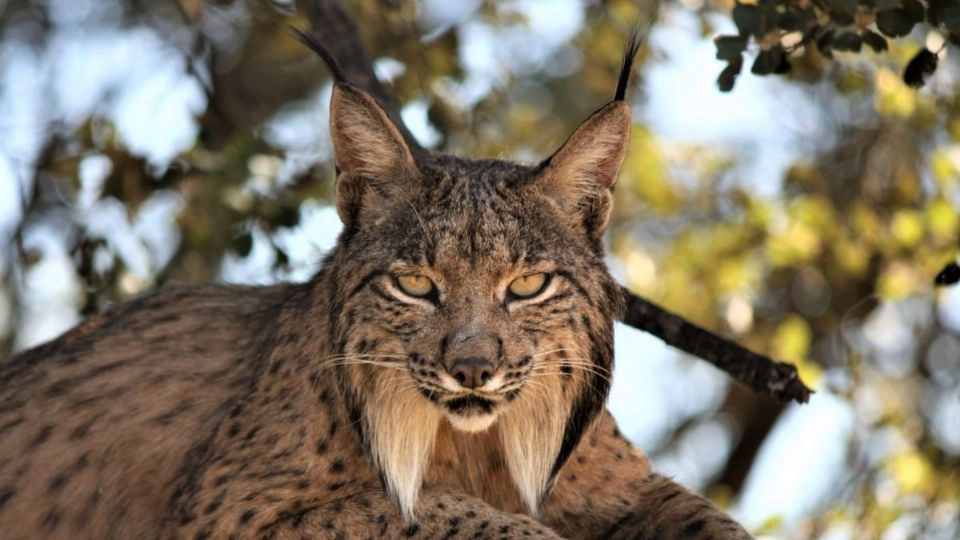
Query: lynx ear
[(372, 157), (581, 174)]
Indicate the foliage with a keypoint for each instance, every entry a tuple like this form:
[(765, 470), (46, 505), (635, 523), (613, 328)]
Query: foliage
[(782, 28)]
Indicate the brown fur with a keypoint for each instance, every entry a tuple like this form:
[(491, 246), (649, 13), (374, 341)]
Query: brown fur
[(327, 410)]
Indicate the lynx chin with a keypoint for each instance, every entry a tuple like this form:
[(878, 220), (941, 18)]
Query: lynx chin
[(442, 376)]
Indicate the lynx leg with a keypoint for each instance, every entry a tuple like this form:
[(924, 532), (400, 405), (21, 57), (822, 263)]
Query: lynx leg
[(373, 515), (668, 511), (607, 490)]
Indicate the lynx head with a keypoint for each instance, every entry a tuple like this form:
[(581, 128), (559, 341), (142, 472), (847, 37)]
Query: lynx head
[(472, 292)]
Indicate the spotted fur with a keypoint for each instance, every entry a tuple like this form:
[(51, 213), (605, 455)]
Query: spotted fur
[(330, 409)]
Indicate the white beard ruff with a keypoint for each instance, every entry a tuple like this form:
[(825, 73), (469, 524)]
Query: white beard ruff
[(531, 431), (402, 429)]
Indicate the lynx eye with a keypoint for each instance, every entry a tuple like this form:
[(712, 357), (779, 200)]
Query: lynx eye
[(416, 285), (528, 286)]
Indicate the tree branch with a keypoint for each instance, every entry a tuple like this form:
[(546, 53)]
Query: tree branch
[(754, 370), (332, 27), (335, 31)]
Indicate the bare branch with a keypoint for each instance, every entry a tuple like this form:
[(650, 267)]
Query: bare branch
[(335, 32), (754, 370)]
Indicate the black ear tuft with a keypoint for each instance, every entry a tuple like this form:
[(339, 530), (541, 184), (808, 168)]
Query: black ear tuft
[(634, 42), (321, 51)]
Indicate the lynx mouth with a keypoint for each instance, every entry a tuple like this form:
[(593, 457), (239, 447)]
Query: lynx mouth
[(470, 405), (471, 413)]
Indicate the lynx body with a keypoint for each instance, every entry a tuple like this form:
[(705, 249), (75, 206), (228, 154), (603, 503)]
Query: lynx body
[(443, 376)]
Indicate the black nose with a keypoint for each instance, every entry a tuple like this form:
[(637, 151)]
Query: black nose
[(472, 372)]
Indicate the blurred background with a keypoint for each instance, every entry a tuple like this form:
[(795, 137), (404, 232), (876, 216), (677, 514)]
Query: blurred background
[(805, 216)]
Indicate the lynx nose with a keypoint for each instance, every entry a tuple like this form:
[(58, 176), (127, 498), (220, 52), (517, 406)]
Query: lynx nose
[(472, 372)]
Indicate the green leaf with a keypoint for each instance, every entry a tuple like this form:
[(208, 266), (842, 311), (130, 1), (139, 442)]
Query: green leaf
[(769, 61), (796, 20), (811, 34), (745, 17), (841, 11), (899, 22), (730, 47), (920, 67), (767, 19), (729, 74), (875, 41), (825, 43), (242, 243), (885, 4), (945, 13), (288, 216), (783, 67), (789, 21), (848, 41), (950, 275), (283, 260)]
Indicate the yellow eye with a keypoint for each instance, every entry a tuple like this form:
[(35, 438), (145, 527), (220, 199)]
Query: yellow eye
[(527, 286), (418, 286)]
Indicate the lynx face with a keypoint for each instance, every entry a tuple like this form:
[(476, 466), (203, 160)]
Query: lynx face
[(472, 292), (481, 292)]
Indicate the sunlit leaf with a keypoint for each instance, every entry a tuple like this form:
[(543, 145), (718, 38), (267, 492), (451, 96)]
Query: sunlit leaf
[(893, 98), (797, 244), (853, 257), (791, 340), (736, 274), (899, 280), (943, 220), (817, 212), (907, 227), (644, 175), (770, 526), (942, 169), (912, 472), (809, 372)]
